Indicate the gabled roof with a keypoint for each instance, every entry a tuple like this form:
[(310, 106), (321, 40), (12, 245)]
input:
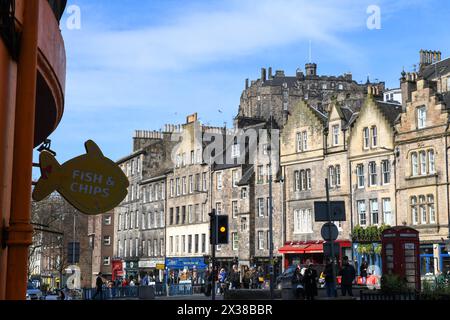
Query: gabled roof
[(437, 69), (390, 110)]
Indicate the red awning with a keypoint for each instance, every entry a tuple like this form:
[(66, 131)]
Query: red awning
[(302, 248)]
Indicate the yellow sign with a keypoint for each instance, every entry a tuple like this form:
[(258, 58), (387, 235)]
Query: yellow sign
[(160, 266), (92, 183)]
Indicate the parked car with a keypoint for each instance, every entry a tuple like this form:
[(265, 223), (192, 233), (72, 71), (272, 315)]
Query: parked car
[(33, 293), (286, 277)]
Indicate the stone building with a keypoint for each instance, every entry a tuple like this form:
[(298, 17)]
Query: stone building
[(189, 201), (421, 142), (278, 93), (372, 164), (314, 147), (101, 242), (140, 218), (240, 190)]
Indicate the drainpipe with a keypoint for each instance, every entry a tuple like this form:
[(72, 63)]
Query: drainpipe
[(21, 230)]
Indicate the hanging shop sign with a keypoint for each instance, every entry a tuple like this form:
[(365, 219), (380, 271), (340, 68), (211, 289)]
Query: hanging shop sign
[(92, 183)]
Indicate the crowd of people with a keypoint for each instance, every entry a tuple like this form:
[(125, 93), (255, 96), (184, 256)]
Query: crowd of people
[(249, 278), (305, 279)]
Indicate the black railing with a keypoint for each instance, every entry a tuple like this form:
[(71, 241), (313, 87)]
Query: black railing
[(385, 296), (121, 292)]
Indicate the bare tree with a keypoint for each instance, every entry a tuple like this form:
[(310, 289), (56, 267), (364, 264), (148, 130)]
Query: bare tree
[(57, 224)]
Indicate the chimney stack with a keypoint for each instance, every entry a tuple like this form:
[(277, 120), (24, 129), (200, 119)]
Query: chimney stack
[(428, 57), (263, 74), (246, 84), (270, 73)]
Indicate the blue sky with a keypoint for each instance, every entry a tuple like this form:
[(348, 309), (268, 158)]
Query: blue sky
[(142, 64)]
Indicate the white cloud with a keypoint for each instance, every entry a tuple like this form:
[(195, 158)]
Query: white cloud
[(196, 38)]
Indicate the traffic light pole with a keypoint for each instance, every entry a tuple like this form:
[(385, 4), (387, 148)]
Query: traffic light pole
[(213, 241), (333, 265)]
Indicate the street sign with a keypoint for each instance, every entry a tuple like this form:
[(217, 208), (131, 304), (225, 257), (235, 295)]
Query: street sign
[(92, 183), (327, 249), (329, 232), (321, 211)]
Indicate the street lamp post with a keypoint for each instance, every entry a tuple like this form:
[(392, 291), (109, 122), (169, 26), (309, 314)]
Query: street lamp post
[(271, 266)]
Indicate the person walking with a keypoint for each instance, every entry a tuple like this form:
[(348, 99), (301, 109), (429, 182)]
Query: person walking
[(222, 280), (99, 286), (253, 279), (348, 275), (297, 284), (310, 281), (363, 271), (330, 281), (246, 278), (235, 278), (260, 274)]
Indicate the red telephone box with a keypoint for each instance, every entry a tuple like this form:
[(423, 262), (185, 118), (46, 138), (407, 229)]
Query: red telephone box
[(401, 254)]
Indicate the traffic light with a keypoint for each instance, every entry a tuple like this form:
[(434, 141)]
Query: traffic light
[(222, 229)]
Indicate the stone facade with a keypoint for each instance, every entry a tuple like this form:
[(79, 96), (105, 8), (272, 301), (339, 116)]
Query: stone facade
[(422, 156), (278, 93), (101, 238)]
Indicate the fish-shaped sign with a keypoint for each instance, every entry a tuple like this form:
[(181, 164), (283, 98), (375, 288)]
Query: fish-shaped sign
[(91, 182)]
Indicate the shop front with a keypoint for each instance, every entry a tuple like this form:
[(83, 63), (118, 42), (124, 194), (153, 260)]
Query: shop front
[(152, 267), (264, 264), (117, 269), (186, 270), (132, 269), (297, 253), (434, 259)]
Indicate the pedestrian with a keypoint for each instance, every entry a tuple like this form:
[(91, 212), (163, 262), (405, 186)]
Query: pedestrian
[(209, 282), (235, 278), (99, 286), (297, 284), (348, 275), (310, 281), (62, 295), (253, 279), (145, 280), (246, 278), (260, 274), (330, 279), (222, 280), (363, 271)]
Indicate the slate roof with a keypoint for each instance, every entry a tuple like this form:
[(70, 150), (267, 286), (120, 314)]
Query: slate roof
[(390, 110), (437, 69), (246, 177)]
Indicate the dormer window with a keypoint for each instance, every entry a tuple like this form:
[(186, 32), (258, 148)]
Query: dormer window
[(448, 84), (421, 117), (340, 87)]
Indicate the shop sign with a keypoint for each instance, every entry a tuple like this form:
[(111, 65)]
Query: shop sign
[(183, 263), (150, 263), (92, 183)]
